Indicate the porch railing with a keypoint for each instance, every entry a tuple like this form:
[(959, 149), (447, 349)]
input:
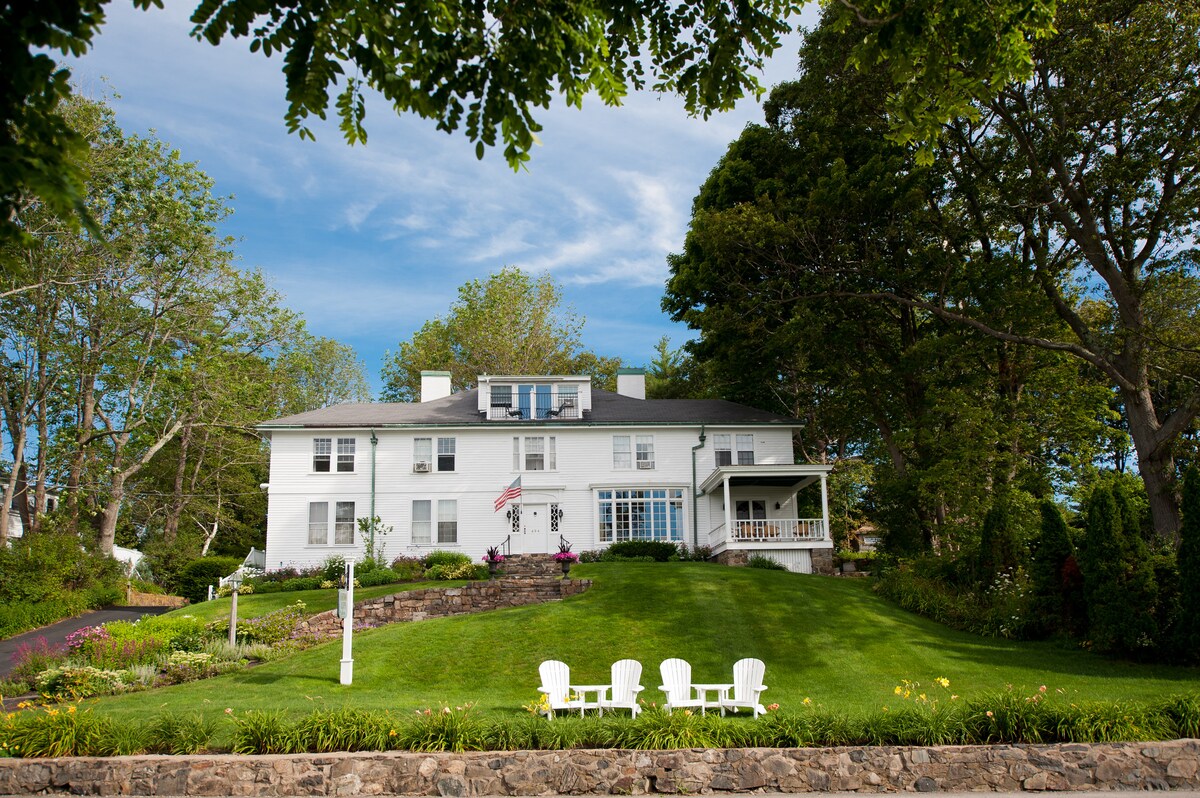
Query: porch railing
[(536, 408), (773, 530)]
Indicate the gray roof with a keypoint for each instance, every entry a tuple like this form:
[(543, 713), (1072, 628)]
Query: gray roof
[(462, 408)]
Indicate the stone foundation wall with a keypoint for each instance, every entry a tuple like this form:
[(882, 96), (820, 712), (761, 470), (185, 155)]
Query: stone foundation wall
[(822, 561), (735, 557), (1117, 766), (418, 605)]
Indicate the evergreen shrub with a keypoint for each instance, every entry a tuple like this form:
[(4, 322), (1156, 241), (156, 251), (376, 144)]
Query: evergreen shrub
[(197, 575), (658, 550)]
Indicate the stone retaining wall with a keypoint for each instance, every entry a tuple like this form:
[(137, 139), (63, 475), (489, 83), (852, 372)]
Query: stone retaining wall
[(133, 598), (1116, 766), (418, 605)]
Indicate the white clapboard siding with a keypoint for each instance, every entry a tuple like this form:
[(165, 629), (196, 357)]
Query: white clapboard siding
[(483, 468)]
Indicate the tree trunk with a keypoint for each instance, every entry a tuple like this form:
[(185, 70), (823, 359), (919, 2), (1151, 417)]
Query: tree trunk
[(171, 524), (112, 511), (1156, 463)]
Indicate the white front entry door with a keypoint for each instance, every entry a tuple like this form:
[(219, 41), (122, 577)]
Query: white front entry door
[(535, 528)]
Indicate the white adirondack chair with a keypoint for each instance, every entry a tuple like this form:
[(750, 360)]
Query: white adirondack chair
[(623, 692), (677, 684), (556, 685), (747, 687)]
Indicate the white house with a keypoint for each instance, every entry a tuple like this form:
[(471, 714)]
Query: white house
[(594, 468)]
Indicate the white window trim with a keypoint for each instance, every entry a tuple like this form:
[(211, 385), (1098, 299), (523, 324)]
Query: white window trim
[(628, 452), (521, 454), (328, 455), (438, 454), (331, 523), (640, 464), (337, 455)]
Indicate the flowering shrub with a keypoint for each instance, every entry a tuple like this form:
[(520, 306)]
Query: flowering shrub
[(188, 666), (246, 588), (465, 570), (270, 628), (30, 660), (68, 682), (493, 555)]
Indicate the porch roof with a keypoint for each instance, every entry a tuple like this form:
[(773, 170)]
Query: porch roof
[(779, 476)]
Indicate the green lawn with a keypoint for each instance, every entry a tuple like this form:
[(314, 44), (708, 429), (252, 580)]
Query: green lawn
[(257, 604), (830, 640)]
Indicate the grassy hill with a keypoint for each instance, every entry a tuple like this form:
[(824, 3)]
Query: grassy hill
[(830, 640)]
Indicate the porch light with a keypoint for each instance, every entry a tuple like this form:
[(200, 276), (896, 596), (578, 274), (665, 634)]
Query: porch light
[(558, 514), (776, 505)]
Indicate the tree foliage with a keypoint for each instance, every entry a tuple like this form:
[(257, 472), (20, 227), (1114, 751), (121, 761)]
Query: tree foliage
[(1007, 312), (135, 360), (509, 323), (1187, 630), (486, 66)]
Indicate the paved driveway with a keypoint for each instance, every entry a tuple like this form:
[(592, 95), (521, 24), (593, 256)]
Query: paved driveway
[(57, 632)]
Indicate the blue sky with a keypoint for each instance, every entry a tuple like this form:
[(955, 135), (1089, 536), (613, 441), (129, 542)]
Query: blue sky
[(368, 242)]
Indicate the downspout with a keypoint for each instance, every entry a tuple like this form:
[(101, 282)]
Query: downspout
[(695, 495), (371, 530)]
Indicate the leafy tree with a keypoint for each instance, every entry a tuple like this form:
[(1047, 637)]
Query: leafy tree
[(311, 372), (1061, 217), (509, 323), (800, 215), (674, 374), (486, 65)]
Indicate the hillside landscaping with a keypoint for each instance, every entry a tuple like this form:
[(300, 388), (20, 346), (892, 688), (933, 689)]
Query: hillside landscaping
[(842, 664)]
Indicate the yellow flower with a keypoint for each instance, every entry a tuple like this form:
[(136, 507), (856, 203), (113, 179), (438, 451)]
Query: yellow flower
[(943, 681), (898, 690), (922, 697), (71, 710), (907, 693), (392, 733), (806, 701)]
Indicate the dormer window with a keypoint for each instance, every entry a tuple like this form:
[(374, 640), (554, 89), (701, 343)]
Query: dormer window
[(543, 401)]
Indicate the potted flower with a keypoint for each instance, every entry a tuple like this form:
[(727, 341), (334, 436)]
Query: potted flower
[(565, 557), (493, 558)]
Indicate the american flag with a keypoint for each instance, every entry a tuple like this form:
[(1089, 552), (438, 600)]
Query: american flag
[(513, 491)]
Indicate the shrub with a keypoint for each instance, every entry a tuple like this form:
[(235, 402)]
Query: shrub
[(466, 570), (441, 557), (448, 729), (270, 628), (68, 682), (333, 569), (197, 575), (30, 660), (766, 563), (180, 735), (59, 731), (258, 732), (408, 568), (1186, 634), (1118, 580), (378, 576), (346, 729), (658, 550)]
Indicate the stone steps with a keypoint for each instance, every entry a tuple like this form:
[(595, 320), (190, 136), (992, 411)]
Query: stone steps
[(529, 566)]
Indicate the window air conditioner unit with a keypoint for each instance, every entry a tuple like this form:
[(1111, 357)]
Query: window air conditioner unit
[(421, 467)]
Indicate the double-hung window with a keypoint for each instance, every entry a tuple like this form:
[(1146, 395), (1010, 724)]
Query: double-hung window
[(421, 521), (732, 449), (422, 454), (445, 460), (622, 456), (318, 523), (447, 521), (535, 453), (322, 449), (345, 455), (645, 452), (343, 523), (745, 449)]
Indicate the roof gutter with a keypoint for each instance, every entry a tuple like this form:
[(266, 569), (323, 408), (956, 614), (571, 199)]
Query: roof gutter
[(695, 495)]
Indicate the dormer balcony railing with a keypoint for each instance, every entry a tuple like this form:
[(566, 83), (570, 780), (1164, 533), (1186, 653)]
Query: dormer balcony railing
[(534, 407)]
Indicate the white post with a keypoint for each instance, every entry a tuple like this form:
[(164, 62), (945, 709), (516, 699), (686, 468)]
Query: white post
[(233, 617), (825, 506), (728, 513), (348, 627)]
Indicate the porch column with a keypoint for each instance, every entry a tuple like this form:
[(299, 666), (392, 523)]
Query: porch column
[(825, 507), (728, 513)]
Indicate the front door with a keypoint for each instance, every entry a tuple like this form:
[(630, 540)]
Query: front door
[(535, 528)]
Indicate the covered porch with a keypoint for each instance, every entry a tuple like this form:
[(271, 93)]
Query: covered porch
[(777, 511)]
